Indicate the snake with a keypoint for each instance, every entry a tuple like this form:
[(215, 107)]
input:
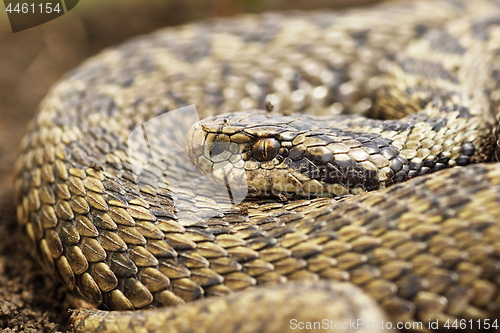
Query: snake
[(275, 172)]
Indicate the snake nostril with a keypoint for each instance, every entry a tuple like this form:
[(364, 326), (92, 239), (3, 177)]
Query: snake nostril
[(265, 149), (217, 148)]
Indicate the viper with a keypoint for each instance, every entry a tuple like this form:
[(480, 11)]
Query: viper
[(367, 191)]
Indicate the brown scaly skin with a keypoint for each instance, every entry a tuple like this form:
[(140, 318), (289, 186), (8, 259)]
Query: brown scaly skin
[(425, 250), (327, 303)]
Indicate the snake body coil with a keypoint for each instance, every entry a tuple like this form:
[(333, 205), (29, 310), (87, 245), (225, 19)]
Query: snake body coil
[(425, 245)]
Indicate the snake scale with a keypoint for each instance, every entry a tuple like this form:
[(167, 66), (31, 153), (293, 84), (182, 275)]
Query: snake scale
[(423, 245)]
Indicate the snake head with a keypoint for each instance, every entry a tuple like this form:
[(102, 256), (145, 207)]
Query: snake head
[(269, 154), (244, 150)]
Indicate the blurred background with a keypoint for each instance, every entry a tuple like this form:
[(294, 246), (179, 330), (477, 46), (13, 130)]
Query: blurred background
[(30, 62)]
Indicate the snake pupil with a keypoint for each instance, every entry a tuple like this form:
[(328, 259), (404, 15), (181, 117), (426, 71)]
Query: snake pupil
[(265, 149)]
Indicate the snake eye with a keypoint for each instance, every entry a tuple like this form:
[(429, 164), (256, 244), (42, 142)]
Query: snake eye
[(265, 149)]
